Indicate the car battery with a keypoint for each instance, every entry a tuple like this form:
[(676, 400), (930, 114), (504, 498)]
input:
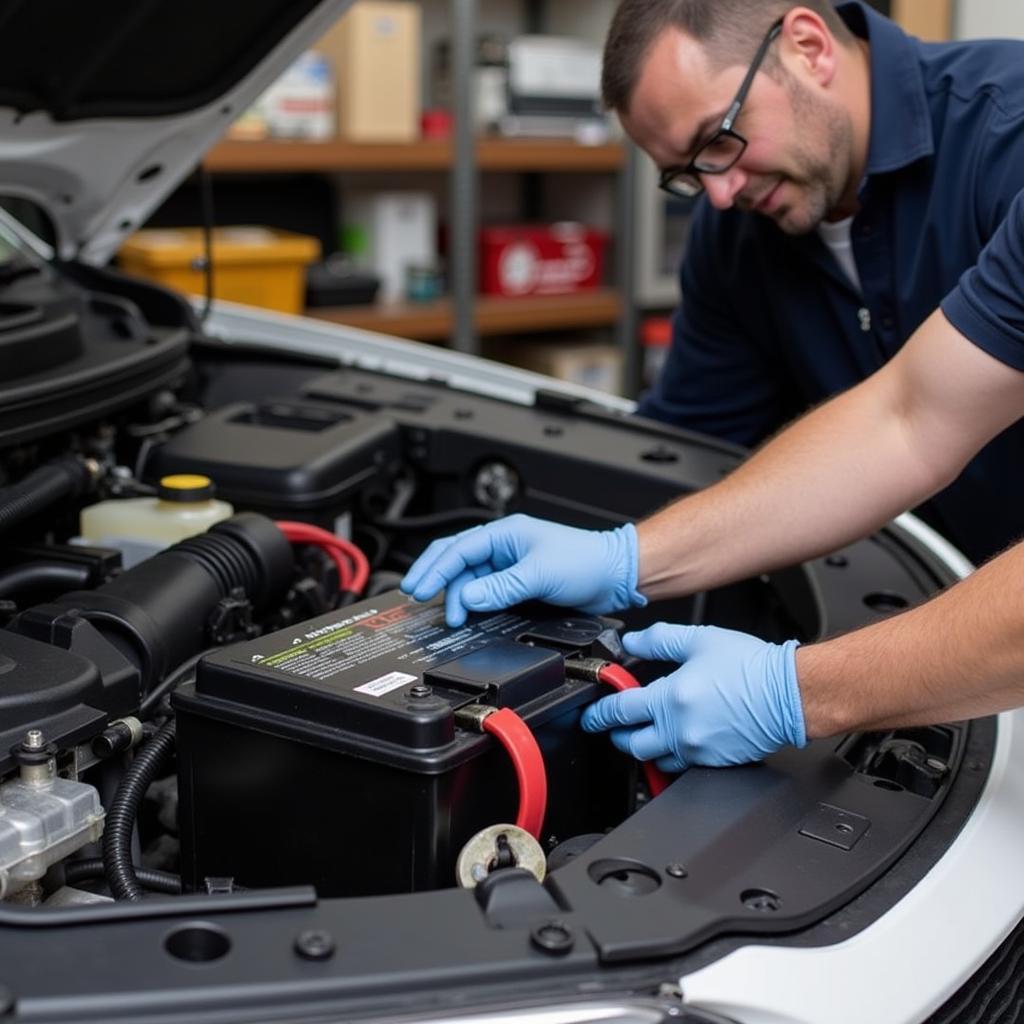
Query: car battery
[(329, 753)]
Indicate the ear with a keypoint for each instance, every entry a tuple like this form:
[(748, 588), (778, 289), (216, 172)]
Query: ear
[(807, 47)]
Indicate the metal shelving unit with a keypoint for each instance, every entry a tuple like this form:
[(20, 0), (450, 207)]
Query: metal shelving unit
[(464, 201), (464, 316)]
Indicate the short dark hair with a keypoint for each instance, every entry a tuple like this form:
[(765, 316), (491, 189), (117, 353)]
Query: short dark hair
[(730, 30)]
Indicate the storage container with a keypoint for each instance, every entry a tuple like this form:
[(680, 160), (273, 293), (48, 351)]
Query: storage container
[(254, 265), (551, 259)]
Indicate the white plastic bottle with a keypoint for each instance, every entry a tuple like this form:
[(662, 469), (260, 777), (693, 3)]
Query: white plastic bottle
[(140, 527)]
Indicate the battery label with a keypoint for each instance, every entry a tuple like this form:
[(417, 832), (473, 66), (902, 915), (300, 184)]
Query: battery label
[(376, 648), (385, 684)]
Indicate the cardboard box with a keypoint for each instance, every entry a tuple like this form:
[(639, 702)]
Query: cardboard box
[(375, 51), (928, 19), (595, 365)]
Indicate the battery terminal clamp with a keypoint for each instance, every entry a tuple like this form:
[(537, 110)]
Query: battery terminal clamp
[(588, 669), (471, 717), (597, 671)]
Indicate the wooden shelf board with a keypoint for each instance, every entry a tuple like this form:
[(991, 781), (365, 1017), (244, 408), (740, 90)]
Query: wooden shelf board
[(548, 155), (282, 155), (432, 321)]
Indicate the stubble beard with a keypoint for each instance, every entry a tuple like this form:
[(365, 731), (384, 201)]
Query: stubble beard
[(821, 161)]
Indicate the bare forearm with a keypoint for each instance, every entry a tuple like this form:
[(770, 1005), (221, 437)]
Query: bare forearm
[(840, 472), (837, 474), (959, 656)]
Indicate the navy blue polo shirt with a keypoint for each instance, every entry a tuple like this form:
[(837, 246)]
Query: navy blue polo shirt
[(988, 304), (770, 325)]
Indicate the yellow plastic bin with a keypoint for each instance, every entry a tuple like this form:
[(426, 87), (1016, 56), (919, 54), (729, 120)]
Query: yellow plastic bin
[(258, 266)]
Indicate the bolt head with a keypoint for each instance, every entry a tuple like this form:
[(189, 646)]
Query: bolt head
[(553, 937), (676, 871), (762, 900), (314, 944)]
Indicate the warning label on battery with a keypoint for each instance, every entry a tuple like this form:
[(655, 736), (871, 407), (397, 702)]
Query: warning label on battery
[(377, 647), (385, 684)]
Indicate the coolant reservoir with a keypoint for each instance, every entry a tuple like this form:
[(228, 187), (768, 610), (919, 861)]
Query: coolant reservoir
[(141, 527)]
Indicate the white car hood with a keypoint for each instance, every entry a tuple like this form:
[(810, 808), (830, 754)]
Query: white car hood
[(99, 177)]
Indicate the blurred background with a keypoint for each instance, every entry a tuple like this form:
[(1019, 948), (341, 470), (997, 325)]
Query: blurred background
[(443, 171)]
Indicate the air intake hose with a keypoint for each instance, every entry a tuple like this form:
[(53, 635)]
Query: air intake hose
[(158, 613)]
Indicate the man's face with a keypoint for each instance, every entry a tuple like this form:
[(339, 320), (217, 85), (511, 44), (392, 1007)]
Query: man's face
[(799, 152)]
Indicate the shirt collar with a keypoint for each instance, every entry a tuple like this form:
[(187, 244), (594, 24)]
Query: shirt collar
[(901, 127)]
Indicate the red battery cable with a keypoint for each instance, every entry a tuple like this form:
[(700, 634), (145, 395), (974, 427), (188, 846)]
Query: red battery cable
[(353, 567), (515, 736), (621, 679)]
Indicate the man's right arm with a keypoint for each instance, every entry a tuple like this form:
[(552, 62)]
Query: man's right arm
[(836, 475), (875, 451), (840, 472)]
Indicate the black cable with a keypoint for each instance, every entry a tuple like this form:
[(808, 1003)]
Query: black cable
[(206, 200), (404, 492), (448, 517), (140, 460), (170, 681), (379, 540), (381, 582), (44, 576), (122, 876), (89, 870), (67, 476)]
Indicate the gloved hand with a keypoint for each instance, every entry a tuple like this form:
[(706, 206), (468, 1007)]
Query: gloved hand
[(735, 699), (519, 558)]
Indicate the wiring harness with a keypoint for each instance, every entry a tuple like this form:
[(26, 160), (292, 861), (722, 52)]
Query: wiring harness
[(353, 566)]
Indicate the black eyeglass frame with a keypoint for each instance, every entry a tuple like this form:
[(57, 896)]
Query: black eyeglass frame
[(669, 177)]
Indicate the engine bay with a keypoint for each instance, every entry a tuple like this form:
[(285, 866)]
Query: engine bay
[(255, 712)]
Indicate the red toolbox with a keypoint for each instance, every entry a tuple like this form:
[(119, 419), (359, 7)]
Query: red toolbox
[(554, 259)]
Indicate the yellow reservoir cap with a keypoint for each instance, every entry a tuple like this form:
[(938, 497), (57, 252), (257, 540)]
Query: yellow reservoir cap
[(186, 487)]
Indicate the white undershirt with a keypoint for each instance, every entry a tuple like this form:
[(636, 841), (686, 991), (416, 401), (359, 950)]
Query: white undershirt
[(836, 236)]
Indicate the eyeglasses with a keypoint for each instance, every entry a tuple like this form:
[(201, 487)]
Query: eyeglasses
[(726, 146)]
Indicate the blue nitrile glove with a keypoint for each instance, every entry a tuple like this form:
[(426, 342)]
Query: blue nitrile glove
[(735, 699), (520, 558)]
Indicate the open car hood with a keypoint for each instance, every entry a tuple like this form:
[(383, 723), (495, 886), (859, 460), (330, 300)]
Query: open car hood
[(105, 108)]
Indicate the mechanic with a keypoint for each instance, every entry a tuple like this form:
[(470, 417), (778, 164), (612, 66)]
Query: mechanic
[(901, 435), (875, 170)]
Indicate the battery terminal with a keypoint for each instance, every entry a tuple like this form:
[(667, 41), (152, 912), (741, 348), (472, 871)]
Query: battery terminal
[(472, 716), (588, 669)]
